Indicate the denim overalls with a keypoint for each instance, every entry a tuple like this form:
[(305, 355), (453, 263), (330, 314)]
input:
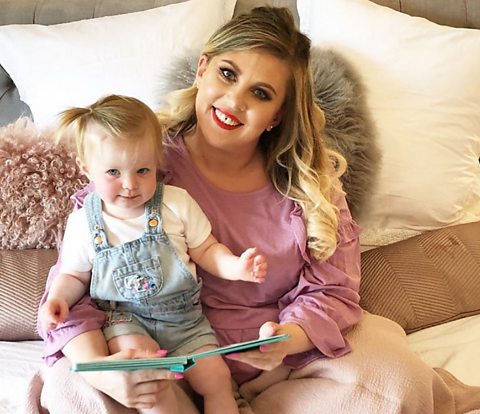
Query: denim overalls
[(143, 285)]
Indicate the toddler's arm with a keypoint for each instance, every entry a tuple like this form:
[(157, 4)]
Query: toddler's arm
[(66, 290), (218, 260)]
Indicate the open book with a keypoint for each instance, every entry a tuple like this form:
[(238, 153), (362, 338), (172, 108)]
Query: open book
[(175, 364)]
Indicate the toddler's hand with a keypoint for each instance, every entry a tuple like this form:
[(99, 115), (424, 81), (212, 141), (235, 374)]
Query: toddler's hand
[(253, 266), (53, 312)]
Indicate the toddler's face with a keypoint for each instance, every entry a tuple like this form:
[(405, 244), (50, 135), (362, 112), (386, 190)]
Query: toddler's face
[(124, 174)]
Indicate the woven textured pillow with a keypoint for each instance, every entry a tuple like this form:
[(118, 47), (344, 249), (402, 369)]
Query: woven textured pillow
[(23, 274), (425, 280)]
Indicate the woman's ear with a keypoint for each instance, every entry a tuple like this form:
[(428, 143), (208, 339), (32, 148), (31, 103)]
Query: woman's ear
[(275, 121), (278, 118), (201, 68)]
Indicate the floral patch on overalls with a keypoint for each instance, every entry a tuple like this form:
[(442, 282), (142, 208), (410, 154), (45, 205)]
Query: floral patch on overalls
[(139, 280), (141, 283)]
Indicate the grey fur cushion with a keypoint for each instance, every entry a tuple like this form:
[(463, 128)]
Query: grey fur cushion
[(349, 128)]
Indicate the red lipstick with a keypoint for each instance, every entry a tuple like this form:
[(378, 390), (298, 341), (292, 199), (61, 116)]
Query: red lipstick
[(222, 124)]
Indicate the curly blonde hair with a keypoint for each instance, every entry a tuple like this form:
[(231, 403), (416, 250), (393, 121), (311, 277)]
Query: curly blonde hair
[(298, 162)]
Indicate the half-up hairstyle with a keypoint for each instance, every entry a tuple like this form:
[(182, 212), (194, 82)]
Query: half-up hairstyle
[(298, 162), (119, 116)]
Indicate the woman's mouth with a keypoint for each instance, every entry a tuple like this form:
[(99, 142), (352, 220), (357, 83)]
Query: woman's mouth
[(225, 120)]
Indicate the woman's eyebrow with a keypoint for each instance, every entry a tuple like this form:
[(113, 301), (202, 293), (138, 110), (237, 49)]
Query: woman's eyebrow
[(238, 70)]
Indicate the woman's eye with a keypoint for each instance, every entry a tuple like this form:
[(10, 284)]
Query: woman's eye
[(261, 94), (227, 74), (113, 172), (143, 171)]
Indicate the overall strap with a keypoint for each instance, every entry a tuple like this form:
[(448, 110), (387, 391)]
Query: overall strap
[(93, 210), (153, 209)]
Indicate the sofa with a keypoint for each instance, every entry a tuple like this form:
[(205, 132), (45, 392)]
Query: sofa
[(402, 103)]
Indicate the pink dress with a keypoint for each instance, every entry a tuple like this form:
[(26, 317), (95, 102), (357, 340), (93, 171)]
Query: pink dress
[(322, 297)]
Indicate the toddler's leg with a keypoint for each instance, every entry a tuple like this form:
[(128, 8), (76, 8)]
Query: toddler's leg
[(169, 404), (211, 379)]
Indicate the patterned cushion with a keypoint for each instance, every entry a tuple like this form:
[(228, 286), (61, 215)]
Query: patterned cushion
[(23, 274), (425, 280)]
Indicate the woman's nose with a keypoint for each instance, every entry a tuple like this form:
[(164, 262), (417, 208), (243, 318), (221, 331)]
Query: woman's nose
[(237, 99)]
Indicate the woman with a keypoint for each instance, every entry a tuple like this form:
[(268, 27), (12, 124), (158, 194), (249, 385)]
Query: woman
[(246, 142)]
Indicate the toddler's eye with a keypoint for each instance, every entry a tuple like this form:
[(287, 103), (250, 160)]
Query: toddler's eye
[(143, 171), (113, 172)]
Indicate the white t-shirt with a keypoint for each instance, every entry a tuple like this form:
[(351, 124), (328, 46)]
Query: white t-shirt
[(183, 220)]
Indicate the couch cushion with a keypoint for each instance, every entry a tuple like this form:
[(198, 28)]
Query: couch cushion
[(23, 274), (425, 280)]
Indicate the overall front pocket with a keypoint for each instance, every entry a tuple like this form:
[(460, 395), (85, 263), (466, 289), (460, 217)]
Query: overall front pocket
[(140, 280)]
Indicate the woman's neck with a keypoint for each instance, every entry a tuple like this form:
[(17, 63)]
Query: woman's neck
[(232, 171)]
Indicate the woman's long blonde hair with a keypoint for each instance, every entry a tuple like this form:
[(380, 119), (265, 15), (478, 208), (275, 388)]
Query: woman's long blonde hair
[(298, 162)]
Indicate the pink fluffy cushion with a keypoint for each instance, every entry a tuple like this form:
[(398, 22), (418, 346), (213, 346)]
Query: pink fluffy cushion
[(38, 178)]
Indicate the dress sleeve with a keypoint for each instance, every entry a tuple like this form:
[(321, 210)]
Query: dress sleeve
[(83, 316), (325, 302)]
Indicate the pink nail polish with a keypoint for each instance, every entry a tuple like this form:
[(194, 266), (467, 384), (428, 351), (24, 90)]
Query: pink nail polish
[(234, 355), (178, 375), (262, 348), (162, 352)]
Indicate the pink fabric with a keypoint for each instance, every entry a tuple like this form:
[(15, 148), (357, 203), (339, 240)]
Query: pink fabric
[(380, 375), (321, 297)]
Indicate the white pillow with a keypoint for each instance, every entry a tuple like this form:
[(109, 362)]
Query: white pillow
[(423, 89), (71, 64)]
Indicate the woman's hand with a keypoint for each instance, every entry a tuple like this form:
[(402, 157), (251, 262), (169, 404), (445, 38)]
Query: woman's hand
[(140, 389), (135, 389), (271, 356)]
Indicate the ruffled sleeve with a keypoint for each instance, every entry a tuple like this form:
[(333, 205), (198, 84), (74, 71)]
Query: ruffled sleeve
[(325, 303)]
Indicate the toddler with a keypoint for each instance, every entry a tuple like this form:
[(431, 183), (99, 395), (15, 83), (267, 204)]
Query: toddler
[(133, 246)]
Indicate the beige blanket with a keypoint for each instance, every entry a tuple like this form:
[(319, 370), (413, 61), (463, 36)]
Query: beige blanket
[(381, 375)]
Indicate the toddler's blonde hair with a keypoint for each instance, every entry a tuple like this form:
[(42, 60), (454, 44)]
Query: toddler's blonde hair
[(121, 117)]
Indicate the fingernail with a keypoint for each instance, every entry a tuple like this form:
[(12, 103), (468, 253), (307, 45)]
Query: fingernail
[(162, 352), (232, 356), (262, 348), (178, 375)]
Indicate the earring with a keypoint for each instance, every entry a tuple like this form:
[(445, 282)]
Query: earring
[(269, 128)]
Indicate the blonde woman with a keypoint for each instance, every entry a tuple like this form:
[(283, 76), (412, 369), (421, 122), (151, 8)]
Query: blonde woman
[(246, 140)]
